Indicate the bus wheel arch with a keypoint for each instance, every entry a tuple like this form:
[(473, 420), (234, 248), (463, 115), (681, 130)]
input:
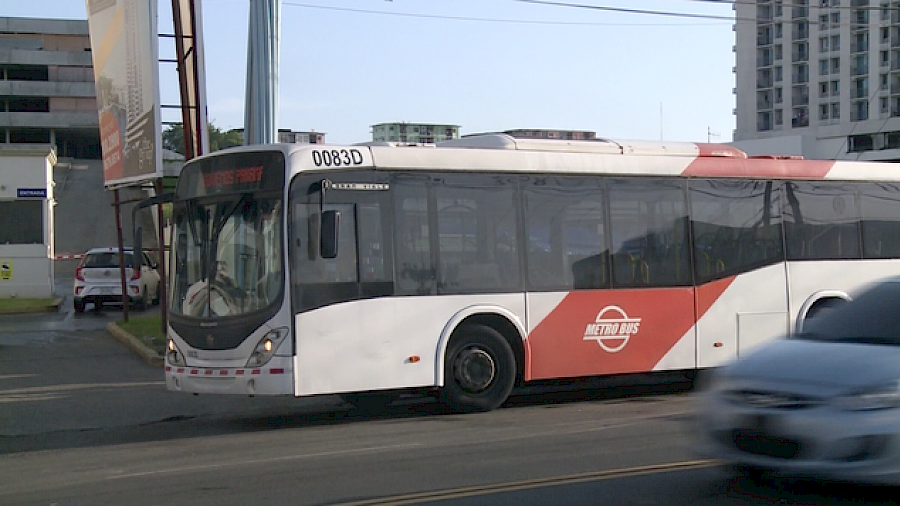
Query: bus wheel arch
[(482, 363), (819, 303)]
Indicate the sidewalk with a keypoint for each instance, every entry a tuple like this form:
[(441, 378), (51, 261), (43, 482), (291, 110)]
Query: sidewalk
[(49, 308), (149, 356)]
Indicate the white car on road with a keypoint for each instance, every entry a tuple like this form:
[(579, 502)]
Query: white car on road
[(98, 280)]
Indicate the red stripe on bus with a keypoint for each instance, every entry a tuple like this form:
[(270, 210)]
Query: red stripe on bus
[(615, 331), (762, 168)]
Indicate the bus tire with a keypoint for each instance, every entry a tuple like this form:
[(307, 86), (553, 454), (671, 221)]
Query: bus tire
[(479, 369)]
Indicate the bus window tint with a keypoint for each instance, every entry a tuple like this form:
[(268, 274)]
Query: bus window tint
[(879, 203), (649, 236), (476, 222), (566, 241), (821, 220), (312, 268), (736, 224), (415, 274)]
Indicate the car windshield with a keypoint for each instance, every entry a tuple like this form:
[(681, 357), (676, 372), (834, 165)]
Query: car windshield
[(106, 260), (872, 317), (236, 243)]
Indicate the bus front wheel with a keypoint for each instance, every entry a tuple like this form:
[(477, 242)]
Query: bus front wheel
[(479, 370)]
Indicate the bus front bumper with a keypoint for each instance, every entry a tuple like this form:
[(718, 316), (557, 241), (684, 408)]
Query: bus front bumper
[(275, 378)]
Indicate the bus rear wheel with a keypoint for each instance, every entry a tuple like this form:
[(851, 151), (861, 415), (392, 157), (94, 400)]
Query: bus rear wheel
[(479, 369)]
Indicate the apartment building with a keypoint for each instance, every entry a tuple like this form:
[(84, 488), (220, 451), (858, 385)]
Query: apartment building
[(818, 78), (416, 133), (47, 93)]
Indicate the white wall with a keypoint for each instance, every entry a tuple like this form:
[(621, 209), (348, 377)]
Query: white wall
[(30, 265)]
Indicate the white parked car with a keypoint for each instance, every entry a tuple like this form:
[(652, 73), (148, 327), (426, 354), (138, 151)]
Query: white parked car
[(824, 403), (98, 281)]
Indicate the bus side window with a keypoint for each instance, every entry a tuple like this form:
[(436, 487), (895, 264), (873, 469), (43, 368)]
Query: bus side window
[(413, 267)]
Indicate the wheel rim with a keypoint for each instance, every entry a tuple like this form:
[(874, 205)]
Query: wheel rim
[(474, 369)]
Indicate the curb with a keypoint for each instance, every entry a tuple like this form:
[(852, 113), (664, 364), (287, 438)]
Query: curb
[(51, 308), (149, 356)]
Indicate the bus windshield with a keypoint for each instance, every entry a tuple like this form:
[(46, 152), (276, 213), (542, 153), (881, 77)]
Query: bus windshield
[(236, 243)]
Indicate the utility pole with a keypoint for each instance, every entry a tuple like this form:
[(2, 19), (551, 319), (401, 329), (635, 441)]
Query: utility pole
[(261, 107)]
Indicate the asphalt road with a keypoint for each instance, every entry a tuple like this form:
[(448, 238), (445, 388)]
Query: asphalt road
[(85, 422)]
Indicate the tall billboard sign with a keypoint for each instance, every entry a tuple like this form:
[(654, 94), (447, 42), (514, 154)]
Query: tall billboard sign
[(126, 70)]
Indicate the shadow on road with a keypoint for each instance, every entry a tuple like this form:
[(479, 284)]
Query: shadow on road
[(285, 416)]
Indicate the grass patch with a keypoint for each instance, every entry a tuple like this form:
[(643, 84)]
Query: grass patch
[(147, 329), (17, 304)]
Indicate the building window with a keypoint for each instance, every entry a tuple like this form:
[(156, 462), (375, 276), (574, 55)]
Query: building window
[(859, 143), (859, 111), (836, 110), (835, 42), (835, 88), (823, 112), (764, 121), (824, 65), (860, 88), (835, 65), (22, 222), (800, 117)]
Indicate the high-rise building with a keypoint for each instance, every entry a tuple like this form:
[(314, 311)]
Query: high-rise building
[(415, 133), (47, 92), (818, 78)]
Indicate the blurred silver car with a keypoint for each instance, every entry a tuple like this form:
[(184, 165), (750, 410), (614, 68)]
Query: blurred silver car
[(98, 280), (824, 403)]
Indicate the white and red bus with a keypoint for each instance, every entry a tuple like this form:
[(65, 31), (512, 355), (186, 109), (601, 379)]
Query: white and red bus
[(487, 262)]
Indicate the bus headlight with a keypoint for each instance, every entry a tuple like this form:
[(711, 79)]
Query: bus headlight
[(266, 347), (173, 354)]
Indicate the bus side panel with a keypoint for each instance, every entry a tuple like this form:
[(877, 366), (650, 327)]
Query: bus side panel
[(596, 332), (384, 343), (744, 312)]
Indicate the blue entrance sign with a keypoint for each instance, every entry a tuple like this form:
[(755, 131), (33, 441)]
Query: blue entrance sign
[(31, 193)]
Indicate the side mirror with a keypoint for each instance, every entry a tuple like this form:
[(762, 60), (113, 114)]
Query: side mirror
[(328, 244)]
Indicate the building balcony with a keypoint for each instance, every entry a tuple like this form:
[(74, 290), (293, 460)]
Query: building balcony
[(47, 89), (800, 122), (41, 57), (61, 119)]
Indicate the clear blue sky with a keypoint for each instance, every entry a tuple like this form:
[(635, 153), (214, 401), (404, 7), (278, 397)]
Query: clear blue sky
[(485, 65)]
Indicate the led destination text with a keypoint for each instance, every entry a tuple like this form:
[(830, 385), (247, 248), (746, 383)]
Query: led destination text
[(245, 175)]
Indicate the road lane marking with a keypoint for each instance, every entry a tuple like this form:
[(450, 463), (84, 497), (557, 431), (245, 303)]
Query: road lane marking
[(267, 460), (514, 486)]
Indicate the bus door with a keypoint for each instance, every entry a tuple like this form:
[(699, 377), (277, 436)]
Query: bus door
[(739, 268)]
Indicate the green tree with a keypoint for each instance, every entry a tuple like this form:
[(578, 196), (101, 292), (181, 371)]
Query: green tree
[(173, 138)]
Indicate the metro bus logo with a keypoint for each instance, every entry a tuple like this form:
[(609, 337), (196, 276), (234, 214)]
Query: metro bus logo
[(612, 329)]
